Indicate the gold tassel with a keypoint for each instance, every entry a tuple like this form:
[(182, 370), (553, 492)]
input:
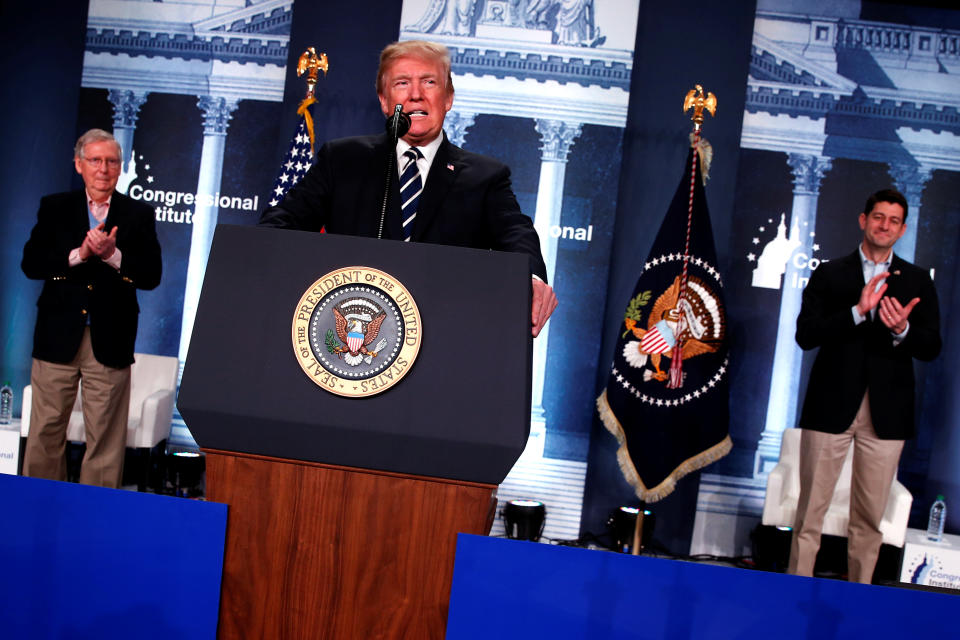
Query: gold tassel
[(304, 111), (705, 151)]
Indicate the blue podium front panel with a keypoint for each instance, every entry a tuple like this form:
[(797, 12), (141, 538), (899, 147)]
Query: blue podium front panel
[(87, 562), (513, 589)]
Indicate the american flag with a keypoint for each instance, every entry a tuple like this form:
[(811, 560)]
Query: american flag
[(298, 160)]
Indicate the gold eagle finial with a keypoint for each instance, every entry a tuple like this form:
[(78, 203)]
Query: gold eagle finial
[(312, 64), (695, 98)]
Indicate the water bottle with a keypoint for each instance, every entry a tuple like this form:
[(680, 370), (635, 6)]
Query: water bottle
[(6, 404), (938, 515)]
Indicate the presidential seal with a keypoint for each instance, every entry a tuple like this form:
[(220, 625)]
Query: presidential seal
[(356, 331), (665, 321)]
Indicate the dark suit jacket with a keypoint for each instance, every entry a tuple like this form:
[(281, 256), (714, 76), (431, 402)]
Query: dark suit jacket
[(93, 288), (467, 200), (854, 358)]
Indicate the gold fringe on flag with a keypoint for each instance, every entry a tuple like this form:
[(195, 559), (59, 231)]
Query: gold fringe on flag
[(668, 484)]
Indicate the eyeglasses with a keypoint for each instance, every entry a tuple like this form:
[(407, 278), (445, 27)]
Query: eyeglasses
[(112, 163)]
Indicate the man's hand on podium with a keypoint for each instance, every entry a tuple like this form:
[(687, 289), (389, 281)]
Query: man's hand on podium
[(544, 302)]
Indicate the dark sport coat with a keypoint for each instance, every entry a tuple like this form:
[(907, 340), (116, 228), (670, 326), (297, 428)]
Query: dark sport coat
[(92, 289), (854, 358), (467, 200)]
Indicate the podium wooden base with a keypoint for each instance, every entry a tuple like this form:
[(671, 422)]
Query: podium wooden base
[(317, 551)]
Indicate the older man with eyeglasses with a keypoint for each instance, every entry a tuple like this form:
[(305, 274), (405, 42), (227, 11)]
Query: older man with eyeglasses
[(93, 248)]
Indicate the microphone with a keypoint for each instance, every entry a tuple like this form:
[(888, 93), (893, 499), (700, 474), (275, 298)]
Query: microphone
[(398, 124)]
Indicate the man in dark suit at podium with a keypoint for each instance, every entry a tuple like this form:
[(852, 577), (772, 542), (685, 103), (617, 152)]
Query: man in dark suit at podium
[(870, 313), (93, 249), (440, 193)]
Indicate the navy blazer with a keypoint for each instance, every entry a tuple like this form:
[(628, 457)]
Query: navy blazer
[(467, 200), (854, 358), (92, 289)]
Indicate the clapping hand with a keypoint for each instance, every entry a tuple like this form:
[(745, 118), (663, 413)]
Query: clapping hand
[(99, 243)]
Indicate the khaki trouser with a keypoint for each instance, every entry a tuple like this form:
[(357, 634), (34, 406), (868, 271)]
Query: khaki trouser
[(874, 468), (106, 403)]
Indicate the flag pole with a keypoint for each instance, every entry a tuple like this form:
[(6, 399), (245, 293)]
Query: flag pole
[(637, 545), (699, 102)]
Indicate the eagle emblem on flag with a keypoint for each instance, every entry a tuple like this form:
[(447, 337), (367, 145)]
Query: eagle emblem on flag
[(696, 319)]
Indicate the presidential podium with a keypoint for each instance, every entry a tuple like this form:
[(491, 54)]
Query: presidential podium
[(343, 511)]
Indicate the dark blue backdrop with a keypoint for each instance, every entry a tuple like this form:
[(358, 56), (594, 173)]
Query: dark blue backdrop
[(40, 62)]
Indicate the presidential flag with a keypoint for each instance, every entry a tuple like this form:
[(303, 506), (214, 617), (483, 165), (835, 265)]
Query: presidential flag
[(666, 399), (299, 157)]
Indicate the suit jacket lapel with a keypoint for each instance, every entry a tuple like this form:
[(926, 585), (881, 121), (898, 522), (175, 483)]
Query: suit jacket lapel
[(854, 270), (854, 279), (443, 173), (79, 217), (896, 285), (392, 225), (115, 212)]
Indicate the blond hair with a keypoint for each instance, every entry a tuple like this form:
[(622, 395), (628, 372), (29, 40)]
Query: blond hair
[(422, 49)]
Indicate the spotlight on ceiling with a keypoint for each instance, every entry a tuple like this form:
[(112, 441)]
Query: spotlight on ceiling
[(524, 519)]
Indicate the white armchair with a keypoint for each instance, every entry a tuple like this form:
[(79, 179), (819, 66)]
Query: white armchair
[(153, 384), (783, 492)]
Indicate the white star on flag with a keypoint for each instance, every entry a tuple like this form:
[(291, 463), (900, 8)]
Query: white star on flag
[(292, 169)]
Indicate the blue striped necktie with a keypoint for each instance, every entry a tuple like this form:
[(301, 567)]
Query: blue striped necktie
[(411, 186)]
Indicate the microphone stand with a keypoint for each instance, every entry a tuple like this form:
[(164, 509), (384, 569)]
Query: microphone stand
[(397, 125)]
